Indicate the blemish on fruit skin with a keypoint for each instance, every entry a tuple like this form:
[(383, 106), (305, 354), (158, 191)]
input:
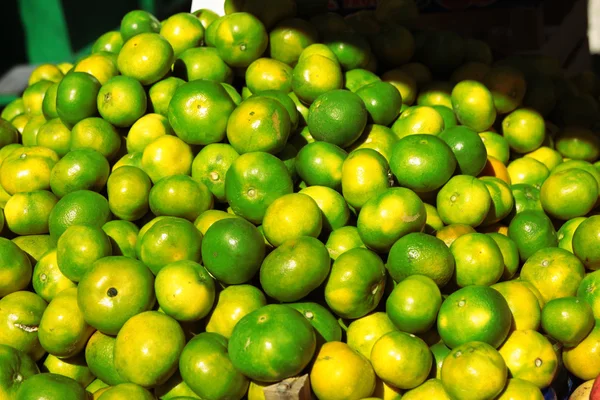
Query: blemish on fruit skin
[(27, 328)]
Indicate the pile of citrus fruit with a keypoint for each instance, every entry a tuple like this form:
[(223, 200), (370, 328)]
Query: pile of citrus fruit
[(205, 206)]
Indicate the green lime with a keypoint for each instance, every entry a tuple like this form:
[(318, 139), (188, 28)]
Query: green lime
[(420, 254), (233, 250), (532, 230), (337, 117), (272, 343), (474, 313), (414, 303), (464, 199), (294, 269)]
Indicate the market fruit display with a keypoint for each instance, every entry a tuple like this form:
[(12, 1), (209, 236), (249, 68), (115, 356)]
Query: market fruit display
[(206, 206)]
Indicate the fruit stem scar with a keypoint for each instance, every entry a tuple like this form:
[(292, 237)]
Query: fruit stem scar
[(112, 292), (309, 315), (251, 192), (214, 176), (538, 362)]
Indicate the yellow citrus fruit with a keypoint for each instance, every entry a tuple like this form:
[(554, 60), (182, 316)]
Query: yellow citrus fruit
[(315, 75), (146, 57), (401, 359), (233, 303), (49, 72), (357, 189), (388, 216), (474, 370), (185, 290), (530, 356), (405, 83), (430, 389), (523, 303), (519, 389), (98, 134), (342, 240), (291, 216), (33, 97), (35, 246), (182, 31), (27, 213), (209, 217), (48, 280), (334, 208), (165, 156), (101, 66), (364, 332), (580, 360), (145, 130), (123, 237), (128, 191), (554, 272), (165, 197), (339, 372), (63, 330), (27, 169), (56, 136)]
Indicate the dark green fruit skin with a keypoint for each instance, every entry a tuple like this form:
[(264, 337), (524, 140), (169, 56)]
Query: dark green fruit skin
[(76, 97), (338, 41), (216, 378), (532, 231), (527, 197), (432, 171), (208, 127), (382, 101), (338, 117), (468, 148), (325, 324), (263, 172), (15, 368), (320, 164), (74, 176), (480, 297), (566, 312), (272, 343), (104, 366), (447, 115), (402, 305), (400, 263), (66, 214), (233, 263), (9, 132), (138, 21), (202, 63), (49, 386), (360, 272), (294, 269), (166, 233)]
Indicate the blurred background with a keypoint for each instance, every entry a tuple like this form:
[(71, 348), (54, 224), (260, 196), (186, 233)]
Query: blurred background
[(39, 31)]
